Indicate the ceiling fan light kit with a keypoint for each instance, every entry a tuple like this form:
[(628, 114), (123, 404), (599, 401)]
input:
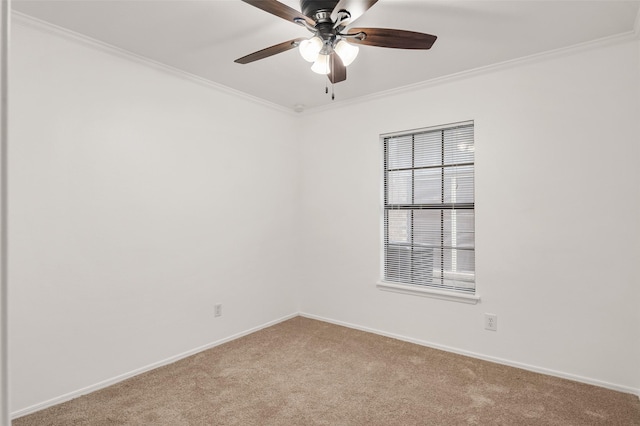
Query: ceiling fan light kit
[(321, 64), (310, 49), (347, 52), (333, 45), (316, 51)]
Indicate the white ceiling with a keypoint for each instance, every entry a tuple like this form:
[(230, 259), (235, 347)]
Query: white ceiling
[(204, 37)]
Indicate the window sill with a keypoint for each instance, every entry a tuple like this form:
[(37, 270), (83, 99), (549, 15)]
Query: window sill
[(429, 292)]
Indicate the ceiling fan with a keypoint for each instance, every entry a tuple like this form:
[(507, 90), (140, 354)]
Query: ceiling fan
[(333, 45)]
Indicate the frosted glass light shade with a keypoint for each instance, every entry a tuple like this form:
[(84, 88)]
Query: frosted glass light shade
[(347, 52), (321, 65), (309, 49)]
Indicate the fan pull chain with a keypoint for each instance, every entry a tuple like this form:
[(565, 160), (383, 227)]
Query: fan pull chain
[(326, 90)]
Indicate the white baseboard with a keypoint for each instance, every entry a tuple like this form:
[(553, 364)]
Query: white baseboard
[(105, 383), (533, 368)]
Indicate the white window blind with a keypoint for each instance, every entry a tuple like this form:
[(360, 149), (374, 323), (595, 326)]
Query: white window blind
[(429, 231)]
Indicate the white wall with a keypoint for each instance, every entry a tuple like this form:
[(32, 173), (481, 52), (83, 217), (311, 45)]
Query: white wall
[(137, 201), (557, 208), (4, 379), (637, 32)]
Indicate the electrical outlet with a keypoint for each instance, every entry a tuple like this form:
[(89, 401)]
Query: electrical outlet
[(491, 322), (217, 310)]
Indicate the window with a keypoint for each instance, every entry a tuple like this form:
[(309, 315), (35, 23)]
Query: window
[(429, 231)]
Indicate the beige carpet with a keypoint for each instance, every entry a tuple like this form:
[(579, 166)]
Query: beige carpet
[(306, 372)]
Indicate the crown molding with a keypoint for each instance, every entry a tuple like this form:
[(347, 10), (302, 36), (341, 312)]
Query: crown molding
[(500, 66), (29, 21), (22, 19)]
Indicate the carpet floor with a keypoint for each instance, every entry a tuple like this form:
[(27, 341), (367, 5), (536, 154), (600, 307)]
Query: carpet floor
[(307, 372)]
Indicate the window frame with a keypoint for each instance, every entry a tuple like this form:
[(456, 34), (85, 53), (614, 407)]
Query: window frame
[(417, 289)]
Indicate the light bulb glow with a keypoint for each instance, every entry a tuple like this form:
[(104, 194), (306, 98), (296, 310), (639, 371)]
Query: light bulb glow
[(309, 49), (321, 65), (347, 52)]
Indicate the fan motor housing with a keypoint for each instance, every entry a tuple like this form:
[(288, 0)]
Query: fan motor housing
[(311, 7)]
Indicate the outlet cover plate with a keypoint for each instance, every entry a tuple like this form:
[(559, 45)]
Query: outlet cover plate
[(491, 322)]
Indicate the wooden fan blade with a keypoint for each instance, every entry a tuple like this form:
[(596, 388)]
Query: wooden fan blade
[(338, 71), (396, 39), (356, 9), (274, 7), (270, 51)]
